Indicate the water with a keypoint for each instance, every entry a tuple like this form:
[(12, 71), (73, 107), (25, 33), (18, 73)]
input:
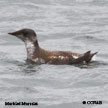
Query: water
[(76, 25)]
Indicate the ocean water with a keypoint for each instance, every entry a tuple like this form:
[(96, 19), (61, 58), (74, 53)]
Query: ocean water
[(74, 25)]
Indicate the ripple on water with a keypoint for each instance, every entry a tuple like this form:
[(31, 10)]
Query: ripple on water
[(77, 25), (91, 39)]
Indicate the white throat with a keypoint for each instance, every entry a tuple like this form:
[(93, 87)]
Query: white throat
[(30, 49)]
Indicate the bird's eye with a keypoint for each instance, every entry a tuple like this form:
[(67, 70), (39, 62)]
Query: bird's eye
[(25, 33)]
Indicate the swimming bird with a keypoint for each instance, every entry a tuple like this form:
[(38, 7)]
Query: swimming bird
[(41, 56)]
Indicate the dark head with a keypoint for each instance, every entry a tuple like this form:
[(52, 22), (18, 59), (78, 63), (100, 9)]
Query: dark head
[(25, 34)]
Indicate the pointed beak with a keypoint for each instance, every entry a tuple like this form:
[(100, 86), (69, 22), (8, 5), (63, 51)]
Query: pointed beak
[(14, 33), (10, 33), (17, 34)]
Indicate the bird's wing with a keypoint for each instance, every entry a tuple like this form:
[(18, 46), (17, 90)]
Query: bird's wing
[(60, 59), (70, 59)]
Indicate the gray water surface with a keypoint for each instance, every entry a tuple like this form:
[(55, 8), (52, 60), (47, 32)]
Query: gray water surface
[(75, 25)]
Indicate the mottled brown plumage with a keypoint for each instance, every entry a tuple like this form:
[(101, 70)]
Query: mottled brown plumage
[(39, 55)]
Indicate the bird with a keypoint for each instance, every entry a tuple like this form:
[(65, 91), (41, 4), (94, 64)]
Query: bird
[(39, 55)]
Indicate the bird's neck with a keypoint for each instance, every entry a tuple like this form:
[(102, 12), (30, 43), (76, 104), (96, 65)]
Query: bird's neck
[(32, 49)]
